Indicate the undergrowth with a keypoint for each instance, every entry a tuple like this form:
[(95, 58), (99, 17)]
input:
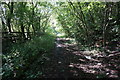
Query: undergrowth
[(22, 57)]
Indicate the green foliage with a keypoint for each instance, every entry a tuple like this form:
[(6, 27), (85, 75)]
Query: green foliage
[(23, 55), (93, 25), (89, 22)]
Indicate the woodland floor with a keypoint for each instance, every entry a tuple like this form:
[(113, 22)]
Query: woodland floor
[(68, 62)]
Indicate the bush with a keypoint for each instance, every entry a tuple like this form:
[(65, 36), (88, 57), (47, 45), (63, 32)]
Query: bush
[(21, 56)]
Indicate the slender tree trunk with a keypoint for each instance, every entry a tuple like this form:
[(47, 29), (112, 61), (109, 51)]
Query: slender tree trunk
[(104, 27), (22, 29), (9, 17), (81, 16), (33, 13), (33, 20), (8, 24), (28, 30), (3, 26), (39, 23)]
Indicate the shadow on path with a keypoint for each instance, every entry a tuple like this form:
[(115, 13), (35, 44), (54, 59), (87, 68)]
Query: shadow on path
[(68, 62)]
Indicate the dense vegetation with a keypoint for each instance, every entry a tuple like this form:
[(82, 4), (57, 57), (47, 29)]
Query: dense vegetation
[(91, 24), (28, 34), (22, 55), (25, 36)]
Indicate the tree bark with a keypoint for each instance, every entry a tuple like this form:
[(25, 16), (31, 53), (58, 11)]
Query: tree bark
[(23, 32), (9, 17)]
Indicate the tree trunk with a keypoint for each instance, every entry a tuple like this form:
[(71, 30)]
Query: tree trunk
[(22, 29), (9, 17)]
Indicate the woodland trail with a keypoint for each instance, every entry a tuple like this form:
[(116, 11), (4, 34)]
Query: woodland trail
[(68, 62)]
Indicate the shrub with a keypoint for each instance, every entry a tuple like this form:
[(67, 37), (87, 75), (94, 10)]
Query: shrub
[(21, 56)]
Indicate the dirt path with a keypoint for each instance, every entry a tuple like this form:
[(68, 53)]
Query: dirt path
[(68, 62), (60, 65)]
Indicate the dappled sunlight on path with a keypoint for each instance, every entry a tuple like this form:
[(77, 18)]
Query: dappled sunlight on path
[(68, 62)]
